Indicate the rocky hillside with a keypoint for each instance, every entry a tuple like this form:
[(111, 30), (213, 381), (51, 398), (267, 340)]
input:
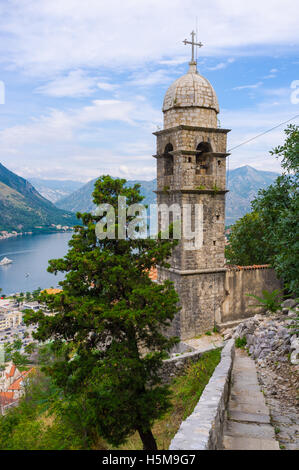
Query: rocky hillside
[(53, 190), (22, 208), (272, 341)]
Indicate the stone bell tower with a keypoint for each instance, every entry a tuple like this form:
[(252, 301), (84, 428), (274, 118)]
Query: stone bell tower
[(191, 170)]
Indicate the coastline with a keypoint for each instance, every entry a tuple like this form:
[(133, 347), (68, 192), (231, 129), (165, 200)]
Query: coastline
[(5, 235)]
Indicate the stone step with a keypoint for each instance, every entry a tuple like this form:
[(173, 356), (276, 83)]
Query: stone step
[(247, 407), (260, 418), (230, 324), (247, 425), (249, 443), (258, 431)]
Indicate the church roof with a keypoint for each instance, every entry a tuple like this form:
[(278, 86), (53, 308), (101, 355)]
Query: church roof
[(192, 89)]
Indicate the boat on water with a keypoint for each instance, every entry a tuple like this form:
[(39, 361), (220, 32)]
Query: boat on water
[(5, 261)]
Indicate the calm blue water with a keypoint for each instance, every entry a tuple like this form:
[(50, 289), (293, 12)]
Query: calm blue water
[(30, 254)]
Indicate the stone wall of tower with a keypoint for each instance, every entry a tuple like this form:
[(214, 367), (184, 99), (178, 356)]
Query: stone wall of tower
[(191, 170), (201, 298), (198, 275), (190, 116), (211, 255), (185, 140), (187, 186)]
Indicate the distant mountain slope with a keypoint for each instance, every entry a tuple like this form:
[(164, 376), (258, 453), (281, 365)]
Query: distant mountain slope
[(53, 190), (22, 208), (243, 184), (81, 200)]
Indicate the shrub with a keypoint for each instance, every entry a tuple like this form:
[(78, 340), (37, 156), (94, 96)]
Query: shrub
[(270, 300), (240, 342)]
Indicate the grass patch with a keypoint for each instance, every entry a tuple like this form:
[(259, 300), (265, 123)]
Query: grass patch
[(241, 342), (186, 391)]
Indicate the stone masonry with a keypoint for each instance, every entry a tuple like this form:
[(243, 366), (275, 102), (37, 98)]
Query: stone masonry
[(191, 170)]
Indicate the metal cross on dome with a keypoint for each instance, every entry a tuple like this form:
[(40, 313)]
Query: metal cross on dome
[(193, 43)]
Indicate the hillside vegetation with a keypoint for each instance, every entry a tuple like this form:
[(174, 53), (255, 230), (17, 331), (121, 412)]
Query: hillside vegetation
[(41, 421), (269, 233), (23, 209)]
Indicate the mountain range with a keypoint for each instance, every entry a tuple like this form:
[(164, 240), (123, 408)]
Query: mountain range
[(243, 184), (53, 190), (81, 200), (23, 209)]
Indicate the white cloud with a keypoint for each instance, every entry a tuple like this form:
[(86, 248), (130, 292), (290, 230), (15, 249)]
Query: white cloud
[(75, 84), (107, 86), (222, 65), (50, 37), (76, 50), (63, 125), (248, 87), (79, 143), (147, 79), (272, 74), (173, 62)]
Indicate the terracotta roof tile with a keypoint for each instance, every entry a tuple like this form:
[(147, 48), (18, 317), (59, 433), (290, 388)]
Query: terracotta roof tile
[(52, 291), (254, 266), (6, 398), (11, 372), (16, 385)]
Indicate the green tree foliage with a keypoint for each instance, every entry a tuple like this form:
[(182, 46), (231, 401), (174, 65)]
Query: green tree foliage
[(270, 301), (270, 233), (246, 242), (34, 424), (110, 317), (13, 353)]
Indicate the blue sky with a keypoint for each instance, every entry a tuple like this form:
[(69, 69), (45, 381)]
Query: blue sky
[(85, 81)]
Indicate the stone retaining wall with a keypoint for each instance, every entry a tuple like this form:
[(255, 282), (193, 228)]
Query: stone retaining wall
[(176, 365), (242, 280), (203, 429)]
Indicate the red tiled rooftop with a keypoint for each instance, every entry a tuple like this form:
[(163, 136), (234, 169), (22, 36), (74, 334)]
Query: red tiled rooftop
[(11, 372), (6, 398), (254, 266), (16, 385)]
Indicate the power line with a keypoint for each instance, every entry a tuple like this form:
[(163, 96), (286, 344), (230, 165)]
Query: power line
[(263, 133)]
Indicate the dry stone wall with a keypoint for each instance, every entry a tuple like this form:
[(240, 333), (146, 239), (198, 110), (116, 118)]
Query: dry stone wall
[(203, 429)]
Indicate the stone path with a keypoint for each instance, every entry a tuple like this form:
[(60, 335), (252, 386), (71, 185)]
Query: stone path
[(204, 342), (248, 425)]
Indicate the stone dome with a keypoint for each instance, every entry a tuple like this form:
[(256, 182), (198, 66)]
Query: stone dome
[(191, 90)]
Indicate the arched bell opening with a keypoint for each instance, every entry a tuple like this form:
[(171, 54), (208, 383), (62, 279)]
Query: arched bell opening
[(203, 159), (168, 160)]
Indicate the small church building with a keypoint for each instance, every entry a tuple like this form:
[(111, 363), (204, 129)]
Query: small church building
[(191, 170)]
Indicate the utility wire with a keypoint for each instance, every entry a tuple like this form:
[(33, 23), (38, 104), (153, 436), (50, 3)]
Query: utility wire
[(263, 133)]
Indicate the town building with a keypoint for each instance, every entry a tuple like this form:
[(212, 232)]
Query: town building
[(12, 386)]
